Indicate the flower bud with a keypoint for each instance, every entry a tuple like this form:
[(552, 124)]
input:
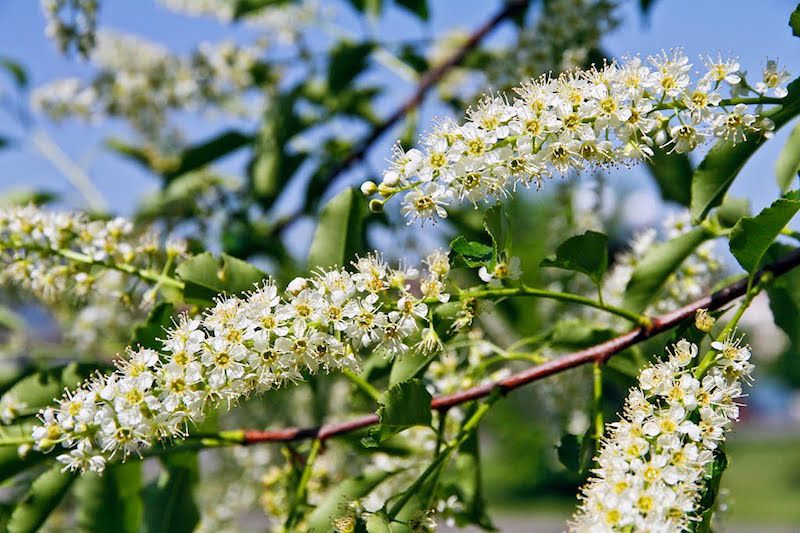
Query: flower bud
[(376, 206), (296, 286), (703, 321), (368, 188)]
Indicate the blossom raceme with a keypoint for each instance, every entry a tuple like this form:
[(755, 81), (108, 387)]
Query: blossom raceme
[(56, 253), (601, 117), (142, 82), (240, 346), (652, 466)]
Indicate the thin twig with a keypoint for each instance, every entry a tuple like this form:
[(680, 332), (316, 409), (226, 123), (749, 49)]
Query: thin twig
[(73, 172), (599, 353)]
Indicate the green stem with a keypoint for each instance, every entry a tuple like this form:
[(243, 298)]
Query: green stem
[(499, 292), (15, 441), (362, 384), (711, 356), (597, 398), (146, 274), (78, 257), (302, 486), (445, 453)]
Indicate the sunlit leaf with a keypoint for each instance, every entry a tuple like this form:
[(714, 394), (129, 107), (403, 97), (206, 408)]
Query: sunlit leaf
[(340, 230), (402, 406), (788, 164), (42, 498), (587, 253), (752, 236), (658, 263), (112, 501)]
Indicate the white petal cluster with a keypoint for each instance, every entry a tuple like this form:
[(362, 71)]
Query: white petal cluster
[(239, 346), (599, 117), (142, 82), (71, 24), (653, 464), (53, 254)]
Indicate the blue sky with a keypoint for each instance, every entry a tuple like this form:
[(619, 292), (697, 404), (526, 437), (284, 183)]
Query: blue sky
[(751, 30)]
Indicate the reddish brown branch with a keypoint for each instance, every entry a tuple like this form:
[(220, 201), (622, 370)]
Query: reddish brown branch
[(600, 352)]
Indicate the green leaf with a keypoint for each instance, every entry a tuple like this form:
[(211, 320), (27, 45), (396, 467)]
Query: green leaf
[(43, 497), (169, 500), (334, 504), (673, 174), (784, 296), (417, 7), (402, 406), (347, 61), (709, 497), (147, 334), (788, 164), (473, 253), (244, 8), (752, 236), (372, 8), (498, 225), (208, 151), (470, 485), (340, 230), (722, 164), (658, 263), (587, 253), (732, 210), (39, 388), (408, 365), (207, 277), (24, 196), (111, 502), (794, 21), (576, 452), (271, 166), (16, 70), (11, 463)]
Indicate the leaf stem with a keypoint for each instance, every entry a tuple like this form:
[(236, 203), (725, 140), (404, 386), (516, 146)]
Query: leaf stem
[(524, 290), (362, 384), (597, 399), (445, 453), (302, 486), (78, 257)]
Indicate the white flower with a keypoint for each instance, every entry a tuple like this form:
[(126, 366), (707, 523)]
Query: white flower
[(652, 465), (773, 75), (240, 345), (502, 270)]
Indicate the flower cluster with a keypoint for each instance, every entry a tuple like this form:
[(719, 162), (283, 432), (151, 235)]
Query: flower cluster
[(141, 82), (239, 346), (54, 254), (71, 24), (599, 117), (653, 465)]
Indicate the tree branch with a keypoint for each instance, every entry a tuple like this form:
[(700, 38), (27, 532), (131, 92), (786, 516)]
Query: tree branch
[(427, 81), (598, 353)]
